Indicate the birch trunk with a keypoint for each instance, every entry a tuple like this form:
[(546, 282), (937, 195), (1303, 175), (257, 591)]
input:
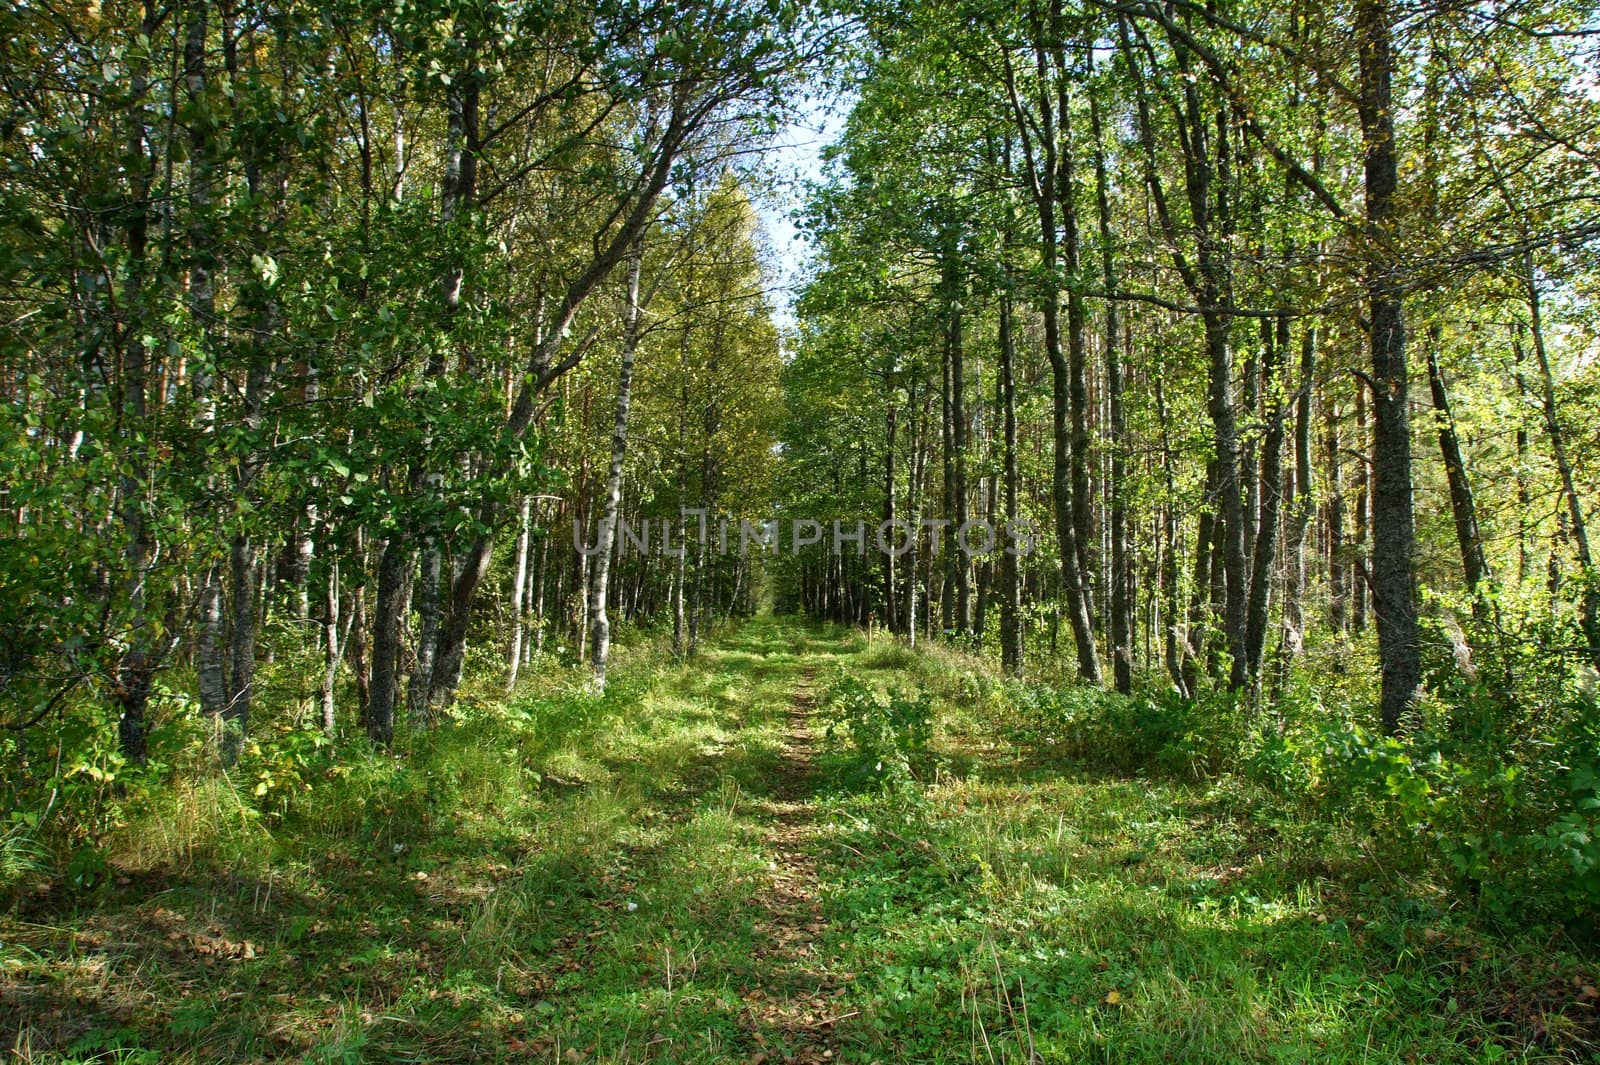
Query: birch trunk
[(600, 619)]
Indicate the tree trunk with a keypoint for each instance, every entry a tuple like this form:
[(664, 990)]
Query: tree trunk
[(1011, 650), (519, 583), (245, 563), (1276, 344), (210, 669), (1304, 500), (947, 456), (332, 650), (680, 561), (1208, 277), (1361, 551), (1578, 527), (430, 575), (533, 643), (1524, 490), (210, 665), (961, 564), (1394, 539), (388, 616), (357, 639), (1046, 168), (1176, 662), (600, 619), (1122, 597), (1225, 440), (136, 669), (919, 466), (1338, 564), (891, 426), (1204, 584), (1080, 496), (1462, 507)]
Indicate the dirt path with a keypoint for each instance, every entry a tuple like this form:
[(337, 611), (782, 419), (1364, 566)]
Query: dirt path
[(795, 1016)]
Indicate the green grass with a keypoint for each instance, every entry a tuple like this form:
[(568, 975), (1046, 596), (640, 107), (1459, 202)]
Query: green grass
[(600, 879)]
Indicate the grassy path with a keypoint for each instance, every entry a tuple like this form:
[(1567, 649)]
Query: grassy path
[(725, 956), (799, 1003), (692, 870), (626, 879)]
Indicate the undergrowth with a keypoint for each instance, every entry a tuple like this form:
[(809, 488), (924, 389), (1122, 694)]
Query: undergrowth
[(1009, 871)]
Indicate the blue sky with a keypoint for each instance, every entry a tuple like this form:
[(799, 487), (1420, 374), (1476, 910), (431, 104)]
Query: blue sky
[(795, 160)]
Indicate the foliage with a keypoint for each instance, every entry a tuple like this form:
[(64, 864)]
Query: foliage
[(891, 733), (1464, 795), (1150, 731)]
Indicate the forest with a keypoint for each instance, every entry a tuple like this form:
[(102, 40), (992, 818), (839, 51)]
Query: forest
[(799, 531)]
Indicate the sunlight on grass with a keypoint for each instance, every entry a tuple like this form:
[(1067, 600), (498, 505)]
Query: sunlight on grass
[(595, 875)]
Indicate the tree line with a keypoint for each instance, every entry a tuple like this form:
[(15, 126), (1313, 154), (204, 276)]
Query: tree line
[(1166, 280), (322, 323), (324, 326)]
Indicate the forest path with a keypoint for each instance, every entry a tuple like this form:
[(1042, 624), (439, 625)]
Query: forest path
[(800, 1001), (699, 867)]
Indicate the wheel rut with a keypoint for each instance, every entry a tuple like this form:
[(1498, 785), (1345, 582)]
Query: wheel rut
[(794, 1014)]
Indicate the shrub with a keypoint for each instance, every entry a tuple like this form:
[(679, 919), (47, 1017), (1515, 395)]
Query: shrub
[(1126, 734), (1495, 789), (1573, 840), (890, 733), (1513, 827)]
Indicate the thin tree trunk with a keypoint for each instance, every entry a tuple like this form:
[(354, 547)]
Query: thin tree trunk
[(1304, 500), (429, 616), (1338, 565), (1225, 439), (989, 506), (1462, 507), (1578, 527), (1080, 496), (1524, 491), (519, 583), (261, 307), (947, 456), (332, 651), (1175, 659), (245, 563), (919, 466), (960, 564), (1204, 582), (1207, 181), (680, 561), (1362, 548), (1045, 170), (357, 640), (1011, 650), (601, 573), (1276, 342), (1122, 598), (210, 665), (135, 671), (891, 426)]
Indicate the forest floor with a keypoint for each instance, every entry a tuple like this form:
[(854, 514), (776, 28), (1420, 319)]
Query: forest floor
[(692, 870)]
